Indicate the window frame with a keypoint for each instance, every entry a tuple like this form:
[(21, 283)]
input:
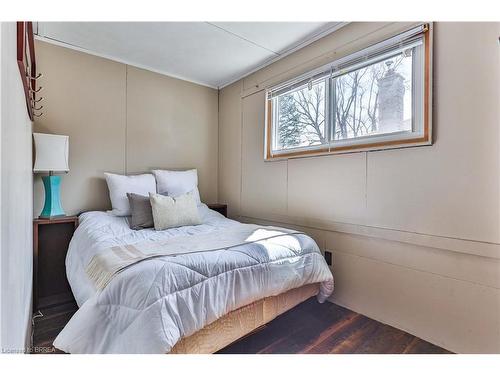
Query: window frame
[(373, 142)]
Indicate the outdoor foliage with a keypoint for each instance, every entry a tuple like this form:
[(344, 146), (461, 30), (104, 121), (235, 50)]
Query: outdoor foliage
[(356, 105)]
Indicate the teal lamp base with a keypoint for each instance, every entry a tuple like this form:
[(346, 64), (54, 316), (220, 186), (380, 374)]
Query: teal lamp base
[(52, 207)]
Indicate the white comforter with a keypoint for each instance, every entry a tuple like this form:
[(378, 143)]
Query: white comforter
[(150, 306)]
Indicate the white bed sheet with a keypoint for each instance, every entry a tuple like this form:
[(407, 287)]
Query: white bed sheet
[(149, 307)]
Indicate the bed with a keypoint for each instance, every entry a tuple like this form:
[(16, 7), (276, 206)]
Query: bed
[(195, 302)]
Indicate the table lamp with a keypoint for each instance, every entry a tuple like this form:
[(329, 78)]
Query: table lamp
[(51, 156)]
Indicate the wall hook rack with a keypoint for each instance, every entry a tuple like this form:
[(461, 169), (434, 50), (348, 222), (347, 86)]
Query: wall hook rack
[(26, 63)]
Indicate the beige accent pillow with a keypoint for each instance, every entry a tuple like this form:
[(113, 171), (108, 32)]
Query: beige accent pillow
[(170, 212)]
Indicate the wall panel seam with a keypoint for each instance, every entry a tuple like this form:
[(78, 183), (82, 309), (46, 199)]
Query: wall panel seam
[(126, 120), (241, 150), (414, 269), (428, 240), (287, 186), (366, 180), (217, 164)]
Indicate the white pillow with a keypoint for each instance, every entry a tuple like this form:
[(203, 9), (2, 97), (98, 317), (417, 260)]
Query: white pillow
[(170, 212), (175, 183), (120, 185)]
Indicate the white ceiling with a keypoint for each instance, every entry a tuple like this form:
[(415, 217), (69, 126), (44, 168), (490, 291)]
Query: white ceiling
[(210, 53)]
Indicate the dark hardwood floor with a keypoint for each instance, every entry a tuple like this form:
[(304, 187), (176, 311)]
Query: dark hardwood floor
[(308, 328), (48, 326)]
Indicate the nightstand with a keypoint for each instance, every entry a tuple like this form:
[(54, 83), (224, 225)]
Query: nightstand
[(219, 207), (51, 239)]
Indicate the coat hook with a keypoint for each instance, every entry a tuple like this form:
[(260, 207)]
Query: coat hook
[(37, 90), (37, 100), (37, 76), (39, 115), (37, 109)]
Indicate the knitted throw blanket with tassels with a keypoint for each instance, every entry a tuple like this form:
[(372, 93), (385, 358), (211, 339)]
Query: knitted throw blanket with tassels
[(105, 265)]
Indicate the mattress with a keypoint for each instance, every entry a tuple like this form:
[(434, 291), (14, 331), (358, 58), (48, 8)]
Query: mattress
[(153, 305)]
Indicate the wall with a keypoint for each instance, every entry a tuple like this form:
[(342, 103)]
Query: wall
[(122, 119), (415, 233), (16, 192)]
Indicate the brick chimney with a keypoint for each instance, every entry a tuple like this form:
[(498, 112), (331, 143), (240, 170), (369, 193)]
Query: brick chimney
[(391, 91)]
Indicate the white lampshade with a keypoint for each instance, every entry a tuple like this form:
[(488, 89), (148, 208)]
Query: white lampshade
[(51, 153)]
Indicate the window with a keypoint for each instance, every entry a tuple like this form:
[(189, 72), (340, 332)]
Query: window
[(375, 98), (300, 116)]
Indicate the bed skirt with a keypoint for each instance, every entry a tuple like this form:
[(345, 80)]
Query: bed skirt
[(241, 322)]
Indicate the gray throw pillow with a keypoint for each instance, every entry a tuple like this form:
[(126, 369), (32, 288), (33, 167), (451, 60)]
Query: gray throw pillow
[(169, 212), (140, 209)]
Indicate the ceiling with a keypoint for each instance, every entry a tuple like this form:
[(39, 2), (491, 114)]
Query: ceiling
[(209, 53)]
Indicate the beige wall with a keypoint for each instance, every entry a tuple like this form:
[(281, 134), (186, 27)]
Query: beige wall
[(16, 194), (415, 232), (125, 120)]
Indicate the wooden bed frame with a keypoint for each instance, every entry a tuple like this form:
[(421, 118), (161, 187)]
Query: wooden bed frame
[(242, 322)]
